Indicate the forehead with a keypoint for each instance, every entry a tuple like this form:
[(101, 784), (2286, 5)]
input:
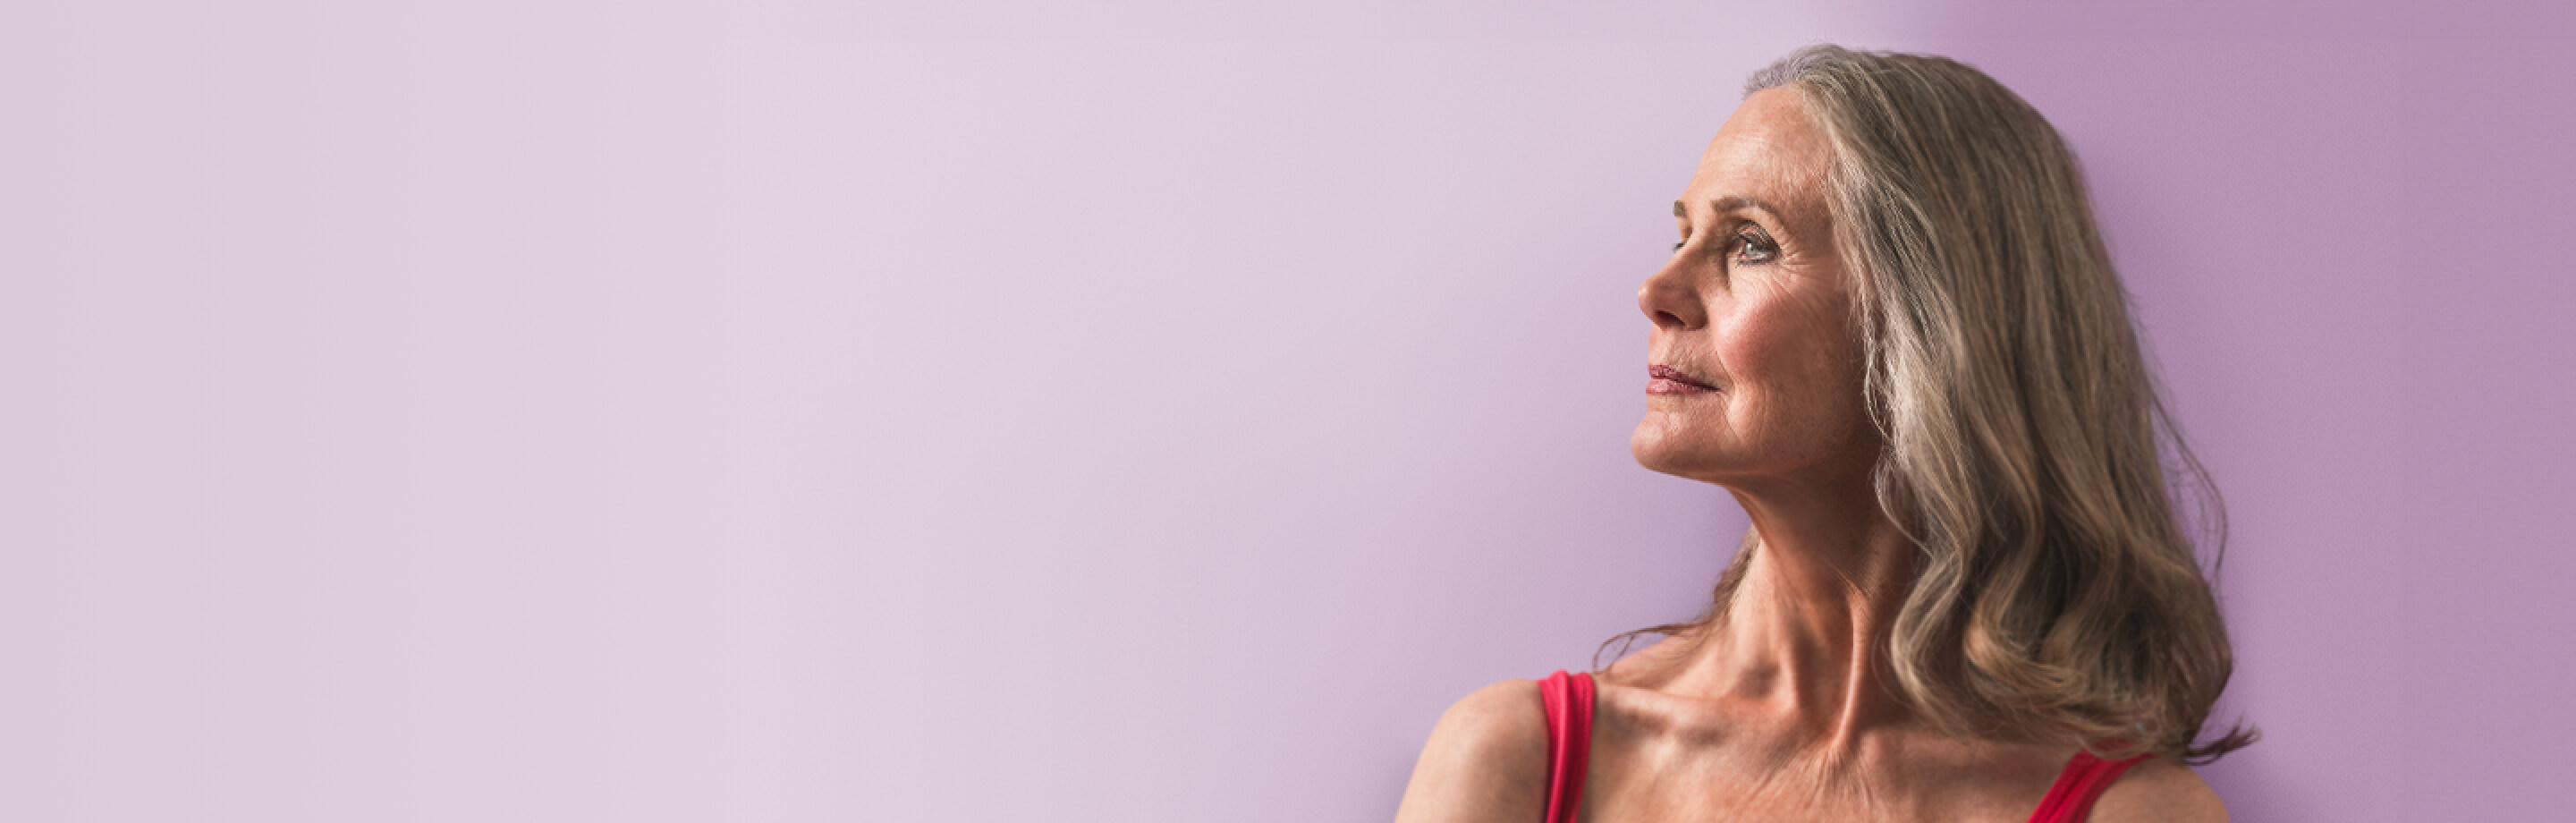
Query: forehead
[(1769, 149)]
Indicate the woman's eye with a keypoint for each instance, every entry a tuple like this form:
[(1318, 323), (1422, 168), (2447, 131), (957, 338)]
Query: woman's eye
[(1746, 247), (1753, 248)]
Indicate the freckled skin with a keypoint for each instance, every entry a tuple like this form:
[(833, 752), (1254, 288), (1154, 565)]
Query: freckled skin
[(1776, 335)]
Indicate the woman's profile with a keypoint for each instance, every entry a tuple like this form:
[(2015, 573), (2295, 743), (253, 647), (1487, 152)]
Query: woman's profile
[(1892, 331)]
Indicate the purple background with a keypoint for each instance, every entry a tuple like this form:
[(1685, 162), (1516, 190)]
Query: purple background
[(1150, 411)]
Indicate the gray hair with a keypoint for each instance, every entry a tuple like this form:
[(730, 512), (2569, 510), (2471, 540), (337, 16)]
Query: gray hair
[(2059, 598)]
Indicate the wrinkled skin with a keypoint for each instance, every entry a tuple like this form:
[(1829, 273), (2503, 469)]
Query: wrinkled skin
[(1782, 712)]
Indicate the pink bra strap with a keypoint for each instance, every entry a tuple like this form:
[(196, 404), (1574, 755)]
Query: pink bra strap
[(2071, 799), (1569, 741)]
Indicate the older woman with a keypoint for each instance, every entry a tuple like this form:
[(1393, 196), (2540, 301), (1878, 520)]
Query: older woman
[(1892, 331)]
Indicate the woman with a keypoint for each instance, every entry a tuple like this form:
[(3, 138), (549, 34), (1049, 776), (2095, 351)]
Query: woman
[(1892, 331)]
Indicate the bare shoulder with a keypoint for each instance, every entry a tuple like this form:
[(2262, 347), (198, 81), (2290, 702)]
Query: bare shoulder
[(1486, 760), (2159, 789)]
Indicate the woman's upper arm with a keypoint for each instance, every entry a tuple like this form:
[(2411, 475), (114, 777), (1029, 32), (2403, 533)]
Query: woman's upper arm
[(2159, 789), (1486, 761)]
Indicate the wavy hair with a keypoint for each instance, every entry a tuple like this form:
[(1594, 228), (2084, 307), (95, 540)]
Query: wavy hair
[(2028, 451)]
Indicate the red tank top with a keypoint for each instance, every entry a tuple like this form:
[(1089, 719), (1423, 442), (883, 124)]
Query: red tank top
[(1568, 699)]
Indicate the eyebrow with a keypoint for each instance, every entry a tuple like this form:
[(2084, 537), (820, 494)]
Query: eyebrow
[(1737, 201)]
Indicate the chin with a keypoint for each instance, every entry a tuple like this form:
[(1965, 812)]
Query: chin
[(1658, 447)]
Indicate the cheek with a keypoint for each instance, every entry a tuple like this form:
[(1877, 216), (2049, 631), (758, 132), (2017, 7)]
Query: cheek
[(1795, 380), (1793, 398)]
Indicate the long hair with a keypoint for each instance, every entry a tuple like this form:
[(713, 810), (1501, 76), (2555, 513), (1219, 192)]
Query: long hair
[(2028, 451)]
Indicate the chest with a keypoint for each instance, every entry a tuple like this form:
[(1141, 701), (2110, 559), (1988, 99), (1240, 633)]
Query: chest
[(1670, 779)]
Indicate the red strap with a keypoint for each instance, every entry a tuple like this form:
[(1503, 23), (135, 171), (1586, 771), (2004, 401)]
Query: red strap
[(1568, 698), (2070, 800), (1569, 741)]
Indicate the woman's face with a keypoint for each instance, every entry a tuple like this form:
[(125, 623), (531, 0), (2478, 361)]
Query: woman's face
[(1755, 373)]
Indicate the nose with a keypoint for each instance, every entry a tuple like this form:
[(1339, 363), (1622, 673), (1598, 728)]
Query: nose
[(1669, 299)]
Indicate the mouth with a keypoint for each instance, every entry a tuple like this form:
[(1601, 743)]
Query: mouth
[(1662, 379)]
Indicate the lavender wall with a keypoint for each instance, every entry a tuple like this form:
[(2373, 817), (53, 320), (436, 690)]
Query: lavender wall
[(992, 412)]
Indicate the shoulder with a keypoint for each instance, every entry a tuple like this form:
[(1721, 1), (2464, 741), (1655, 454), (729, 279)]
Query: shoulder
[(1486, 760), (2159, 789)]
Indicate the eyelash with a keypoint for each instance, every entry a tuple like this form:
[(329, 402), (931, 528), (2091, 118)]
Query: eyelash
[(1750, 240)]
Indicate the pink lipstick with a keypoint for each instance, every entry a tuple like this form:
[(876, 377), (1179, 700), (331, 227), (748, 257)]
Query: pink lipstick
[(1668, 380)]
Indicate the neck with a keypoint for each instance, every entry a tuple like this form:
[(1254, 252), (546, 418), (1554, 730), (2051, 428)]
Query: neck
[(1805, 632)]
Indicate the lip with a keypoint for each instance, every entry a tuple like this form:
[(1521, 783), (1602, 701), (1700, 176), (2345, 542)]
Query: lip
[(1662, 379)]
